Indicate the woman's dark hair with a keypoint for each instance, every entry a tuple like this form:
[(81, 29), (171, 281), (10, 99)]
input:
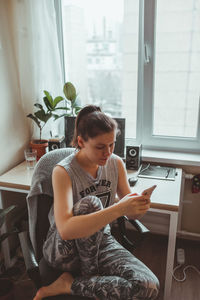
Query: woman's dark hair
[(90, 122)]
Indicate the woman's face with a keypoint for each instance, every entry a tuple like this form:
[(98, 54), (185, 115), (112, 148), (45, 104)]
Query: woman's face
[(99, 148)]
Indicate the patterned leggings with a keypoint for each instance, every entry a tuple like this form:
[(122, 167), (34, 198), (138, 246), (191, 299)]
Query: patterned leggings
[(108, 271)]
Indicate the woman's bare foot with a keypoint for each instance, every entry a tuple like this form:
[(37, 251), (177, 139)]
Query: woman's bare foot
[(62, 285)]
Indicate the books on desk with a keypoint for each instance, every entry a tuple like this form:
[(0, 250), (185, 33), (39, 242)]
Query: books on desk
[(157, 172)]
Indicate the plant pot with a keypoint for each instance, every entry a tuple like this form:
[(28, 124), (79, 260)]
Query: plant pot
[(40, 146), (6, 289)]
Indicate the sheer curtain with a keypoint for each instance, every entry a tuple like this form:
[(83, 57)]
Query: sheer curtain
[(37, 57), (29, 63)]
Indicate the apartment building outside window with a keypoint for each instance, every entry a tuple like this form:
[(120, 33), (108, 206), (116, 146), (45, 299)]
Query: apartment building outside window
[(139, 60)]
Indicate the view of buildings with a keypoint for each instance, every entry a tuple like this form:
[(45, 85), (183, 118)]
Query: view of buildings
[(101, 59), (93, 61)]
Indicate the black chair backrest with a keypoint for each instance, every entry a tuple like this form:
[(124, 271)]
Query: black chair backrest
[(45, 202), (42, 225)]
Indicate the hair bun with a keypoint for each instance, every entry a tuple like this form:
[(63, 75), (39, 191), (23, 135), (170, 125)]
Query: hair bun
[(91, 122), (87, 110), (90, 108)]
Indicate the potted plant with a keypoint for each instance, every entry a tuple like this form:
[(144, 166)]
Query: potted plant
[(6, 285), (41, 117), (43, 114), (70, 93)]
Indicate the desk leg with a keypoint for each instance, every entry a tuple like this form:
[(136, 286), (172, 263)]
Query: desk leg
[(170, 254), (8, 261)]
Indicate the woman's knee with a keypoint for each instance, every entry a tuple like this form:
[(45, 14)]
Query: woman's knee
[(87, 205), (148, 288)]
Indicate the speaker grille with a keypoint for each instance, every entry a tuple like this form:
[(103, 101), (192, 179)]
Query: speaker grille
[(133, 157)]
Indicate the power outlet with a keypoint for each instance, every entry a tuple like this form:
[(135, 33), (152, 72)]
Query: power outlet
[(180, 256)]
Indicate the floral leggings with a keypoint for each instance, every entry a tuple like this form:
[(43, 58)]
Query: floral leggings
[(108, 271)]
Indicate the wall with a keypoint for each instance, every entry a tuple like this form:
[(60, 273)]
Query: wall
[(14, 130), (190, 217)]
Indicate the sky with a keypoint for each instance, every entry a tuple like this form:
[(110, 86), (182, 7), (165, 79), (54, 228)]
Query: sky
[(96, 9)]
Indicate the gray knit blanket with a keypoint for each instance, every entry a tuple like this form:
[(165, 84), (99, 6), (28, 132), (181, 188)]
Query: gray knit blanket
[(42, 184)]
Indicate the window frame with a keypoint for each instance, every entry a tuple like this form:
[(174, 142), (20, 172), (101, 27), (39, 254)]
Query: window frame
[(146, 77), (148, 140)]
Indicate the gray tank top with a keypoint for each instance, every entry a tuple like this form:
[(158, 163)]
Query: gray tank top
[(83, 185), (104, 186)]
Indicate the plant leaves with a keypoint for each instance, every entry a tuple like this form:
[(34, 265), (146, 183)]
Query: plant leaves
[(60, 116), (57, 100), (34, 119), (63, 108), (43, 116), (73, 103), (55, 116), (77, 109), (38, 105), (69, 91), (49, 98), (46, 102)]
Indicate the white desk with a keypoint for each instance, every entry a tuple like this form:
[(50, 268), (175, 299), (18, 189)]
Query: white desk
[(165, 200), (18, 180)]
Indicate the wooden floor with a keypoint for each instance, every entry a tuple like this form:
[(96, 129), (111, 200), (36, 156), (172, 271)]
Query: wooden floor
[(153, 253)]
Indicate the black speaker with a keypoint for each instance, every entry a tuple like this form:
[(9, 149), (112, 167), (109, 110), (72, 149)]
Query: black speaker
[(56, 143), (69, 130), (133, 157), (120, 139)]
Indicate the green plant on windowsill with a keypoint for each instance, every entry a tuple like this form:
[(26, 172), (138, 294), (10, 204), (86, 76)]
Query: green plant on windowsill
[(6, 285), (49, 109), (43, 114), (72, 102), (46, 111)]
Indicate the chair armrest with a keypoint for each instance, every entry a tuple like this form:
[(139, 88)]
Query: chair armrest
[(138, 225), (143, 231), (31, 264)]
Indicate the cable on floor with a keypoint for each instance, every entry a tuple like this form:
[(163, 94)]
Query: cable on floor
[(184, 272)]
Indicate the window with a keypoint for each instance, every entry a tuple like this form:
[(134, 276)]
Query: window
[(139, 60), (171, 75), (177, 69)]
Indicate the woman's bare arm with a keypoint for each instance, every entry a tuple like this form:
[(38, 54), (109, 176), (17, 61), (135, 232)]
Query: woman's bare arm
[(73, 227), (124, 188)]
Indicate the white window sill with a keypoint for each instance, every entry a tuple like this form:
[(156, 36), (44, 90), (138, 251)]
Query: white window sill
[(183, 159)]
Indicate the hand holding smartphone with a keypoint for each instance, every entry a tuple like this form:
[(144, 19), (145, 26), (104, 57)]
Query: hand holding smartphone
[(149, 191)]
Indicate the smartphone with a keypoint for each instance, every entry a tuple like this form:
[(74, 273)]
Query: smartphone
[(149, 191)]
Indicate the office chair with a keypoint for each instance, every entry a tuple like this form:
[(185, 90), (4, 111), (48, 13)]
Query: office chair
[(39, 202)]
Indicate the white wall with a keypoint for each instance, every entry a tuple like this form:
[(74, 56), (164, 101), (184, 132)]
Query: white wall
[(14, 131), (29, 64)]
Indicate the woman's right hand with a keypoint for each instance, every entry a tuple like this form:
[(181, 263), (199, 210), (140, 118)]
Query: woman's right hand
[(133, 205)]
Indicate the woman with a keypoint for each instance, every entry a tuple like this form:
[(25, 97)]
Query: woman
[(85, 185)]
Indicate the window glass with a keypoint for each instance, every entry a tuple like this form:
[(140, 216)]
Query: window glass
[(101, 54), (177, 68)]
